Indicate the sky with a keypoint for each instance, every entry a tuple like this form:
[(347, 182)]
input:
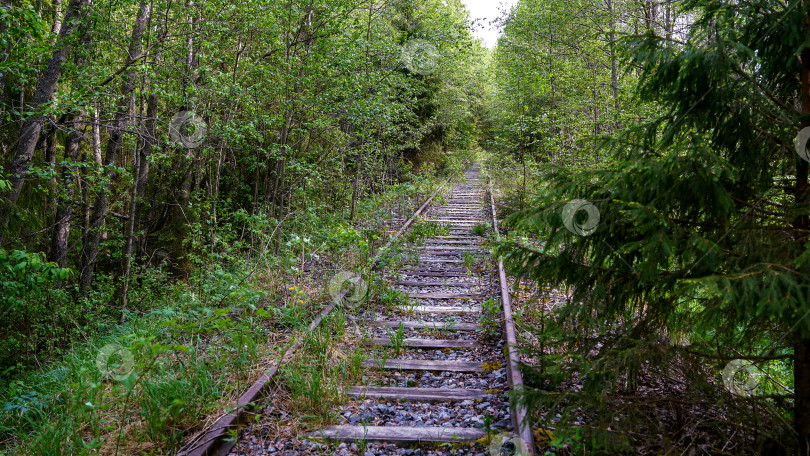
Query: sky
[(486, 10)]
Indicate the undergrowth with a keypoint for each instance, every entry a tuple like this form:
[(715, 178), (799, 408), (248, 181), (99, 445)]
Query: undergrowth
[(187, 349)]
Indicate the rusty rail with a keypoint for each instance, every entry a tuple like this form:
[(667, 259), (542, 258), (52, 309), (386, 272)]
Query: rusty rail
[(518, 411), (407, 224)]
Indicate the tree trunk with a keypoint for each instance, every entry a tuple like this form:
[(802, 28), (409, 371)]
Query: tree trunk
[(50, 160), (650, 14), (64, 208), (46, 86), (356, 187), (57, 18), (140, 167), (614, 74), (85, 186), (93, 237)]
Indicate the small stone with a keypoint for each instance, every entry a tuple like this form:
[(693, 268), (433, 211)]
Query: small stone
[(502, 424)]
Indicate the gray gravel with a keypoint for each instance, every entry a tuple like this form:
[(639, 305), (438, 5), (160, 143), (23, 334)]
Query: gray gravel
[(272, 434)]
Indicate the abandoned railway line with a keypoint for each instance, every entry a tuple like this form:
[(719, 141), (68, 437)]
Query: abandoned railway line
[(438, 370)]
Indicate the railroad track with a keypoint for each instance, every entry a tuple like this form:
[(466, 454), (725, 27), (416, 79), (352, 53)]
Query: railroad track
[(439, 373)]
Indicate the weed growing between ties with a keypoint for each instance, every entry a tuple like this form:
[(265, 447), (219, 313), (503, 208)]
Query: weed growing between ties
[(317, 376), (481, 229), (491, 320)]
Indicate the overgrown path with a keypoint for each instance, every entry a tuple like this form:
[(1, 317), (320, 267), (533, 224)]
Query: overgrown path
[(436, 379)]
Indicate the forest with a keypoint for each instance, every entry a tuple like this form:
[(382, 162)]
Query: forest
[(179, 180)]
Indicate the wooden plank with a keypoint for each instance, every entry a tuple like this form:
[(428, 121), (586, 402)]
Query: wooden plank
[(417, 394), (455, 222), (469, 240), (446, 295), (456, 248), (434, 240), (425, 343), (412, 283), (435, 274), (441, 309), (400, 435), (450, 247), (436, 269), (456, 216), (425, 365), (434, 325), (440, 253)]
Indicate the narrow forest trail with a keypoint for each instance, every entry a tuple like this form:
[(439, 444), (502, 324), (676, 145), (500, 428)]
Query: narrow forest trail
[(437, 380)]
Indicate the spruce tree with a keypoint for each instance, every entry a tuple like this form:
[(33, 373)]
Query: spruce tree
[(702, 222)]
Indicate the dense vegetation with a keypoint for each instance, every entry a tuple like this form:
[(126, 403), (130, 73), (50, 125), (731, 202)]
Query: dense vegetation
[(664, 190), (180, 178)]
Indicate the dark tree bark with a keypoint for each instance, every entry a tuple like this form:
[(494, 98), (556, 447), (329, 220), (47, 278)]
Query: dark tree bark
[(64, 208), (93, 237), (31, 129), (50, 157), (141, 171), (650, 14)]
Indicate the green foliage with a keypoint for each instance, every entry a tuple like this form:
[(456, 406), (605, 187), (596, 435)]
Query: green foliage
[(469, 260), (318, 376), (481, 229), (421, 230), (22, 273), (172, 380), (26, 306), (699, 236), (194, 344), (553, 82), (491, 319), (392, 298), (398, 339)]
